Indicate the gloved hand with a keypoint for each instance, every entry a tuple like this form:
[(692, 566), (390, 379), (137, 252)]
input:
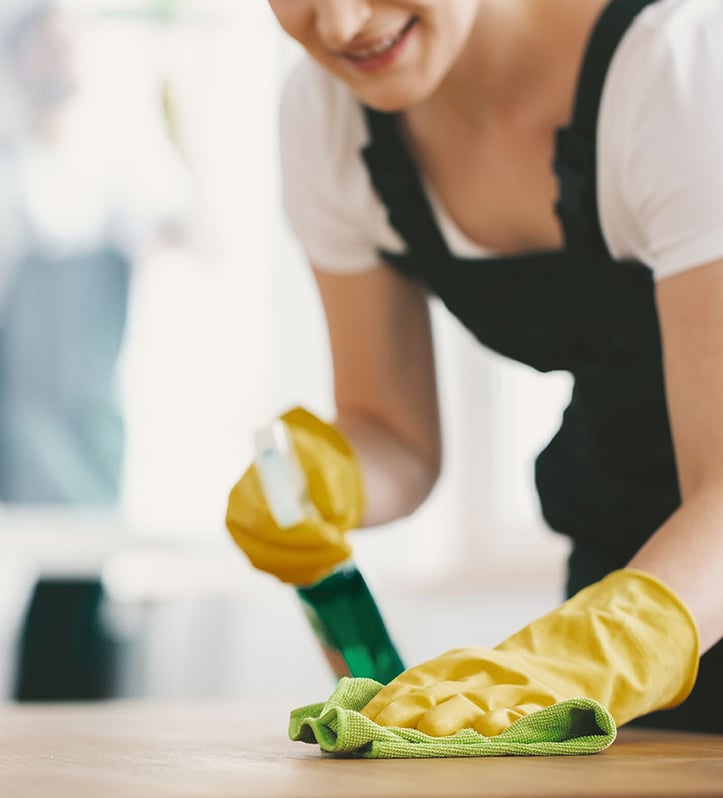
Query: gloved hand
[(307, 552), (627, 641)]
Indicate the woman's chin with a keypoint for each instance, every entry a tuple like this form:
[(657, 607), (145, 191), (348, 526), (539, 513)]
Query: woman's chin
[(391, 99)]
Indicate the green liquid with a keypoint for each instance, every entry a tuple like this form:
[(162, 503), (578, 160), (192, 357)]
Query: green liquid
[(347, 622)]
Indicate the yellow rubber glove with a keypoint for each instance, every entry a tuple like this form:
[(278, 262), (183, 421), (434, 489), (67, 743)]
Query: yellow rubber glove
[(307, 552), (627, 641)]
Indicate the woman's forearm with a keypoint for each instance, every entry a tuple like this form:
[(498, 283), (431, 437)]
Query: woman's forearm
[(687, 554), (687, 551)]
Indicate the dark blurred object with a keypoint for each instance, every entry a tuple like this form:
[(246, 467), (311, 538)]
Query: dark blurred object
[(65, 653)]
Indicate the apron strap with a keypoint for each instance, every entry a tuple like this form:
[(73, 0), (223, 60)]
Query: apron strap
[(395, 178), (576, 145)]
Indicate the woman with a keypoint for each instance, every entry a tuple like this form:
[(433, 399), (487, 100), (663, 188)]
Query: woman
[(552, 170)]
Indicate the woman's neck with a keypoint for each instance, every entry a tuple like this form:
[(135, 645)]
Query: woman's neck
[(520, 63)]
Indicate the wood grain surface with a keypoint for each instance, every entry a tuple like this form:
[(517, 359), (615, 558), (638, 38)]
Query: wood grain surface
[(158, 750)]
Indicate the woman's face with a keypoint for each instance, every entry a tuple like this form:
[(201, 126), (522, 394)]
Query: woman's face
[(391, 53)]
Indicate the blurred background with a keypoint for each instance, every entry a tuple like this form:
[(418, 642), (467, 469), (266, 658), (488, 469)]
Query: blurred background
[(155, 311)]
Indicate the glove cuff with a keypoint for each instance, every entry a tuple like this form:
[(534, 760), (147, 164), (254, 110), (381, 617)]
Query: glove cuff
[(676, 623), (628, 641)]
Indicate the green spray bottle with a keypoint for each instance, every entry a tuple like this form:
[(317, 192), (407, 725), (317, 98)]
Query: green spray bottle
[(340, 608)]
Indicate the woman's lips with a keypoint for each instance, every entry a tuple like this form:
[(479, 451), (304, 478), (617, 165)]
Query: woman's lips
[(382, 51)]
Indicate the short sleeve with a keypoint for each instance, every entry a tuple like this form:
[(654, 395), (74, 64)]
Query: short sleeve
[(661, 143), (325, 188)]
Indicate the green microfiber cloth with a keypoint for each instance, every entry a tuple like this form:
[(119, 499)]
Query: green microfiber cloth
[(577, 726)]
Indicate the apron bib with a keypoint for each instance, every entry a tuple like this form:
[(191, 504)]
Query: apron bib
[(608, 476)]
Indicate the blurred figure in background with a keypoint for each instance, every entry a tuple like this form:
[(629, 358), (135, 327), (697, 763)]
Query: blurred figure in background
[(65, 285), (69, 239)]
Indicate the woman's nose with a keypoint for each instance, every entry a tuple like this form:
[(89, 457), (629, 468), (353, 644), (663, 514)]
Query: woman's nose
[(339, 21)]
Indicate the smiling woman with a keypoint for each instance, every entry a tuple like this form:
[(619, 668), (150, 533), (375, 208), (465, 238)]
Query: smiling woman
[(497, 155)]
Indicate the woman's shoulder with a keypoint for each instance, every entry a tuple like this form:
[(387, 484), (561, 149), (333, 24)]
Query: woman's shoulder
[(659, 137), (680, 17), (675, 29), (327, 194), (321, 113), (671, 55)]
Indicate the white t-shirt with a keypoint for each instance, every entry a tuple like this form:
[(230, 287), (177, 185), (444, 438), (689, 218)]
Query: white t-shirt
[(660, 153)]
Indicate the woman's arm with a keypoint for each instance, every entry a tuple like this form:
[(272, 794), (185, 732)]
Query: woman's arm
[(687, 551), (385, 385)]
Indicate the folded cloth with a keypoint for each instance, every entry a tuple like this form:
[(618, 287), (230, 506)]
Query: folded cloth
[(576, 726)]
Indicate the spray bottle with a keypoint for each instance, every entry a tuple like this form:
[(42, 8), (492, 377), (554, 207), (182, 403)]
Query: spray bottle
[(339, 607)]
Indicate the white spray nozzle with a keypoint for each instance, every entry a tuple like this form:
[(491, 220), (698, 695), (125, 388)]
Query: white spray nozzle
[(282, 478)]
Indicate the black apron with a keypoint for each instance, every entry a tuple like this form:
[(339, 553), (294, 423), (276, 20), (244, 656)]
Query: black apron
[(608, 478)]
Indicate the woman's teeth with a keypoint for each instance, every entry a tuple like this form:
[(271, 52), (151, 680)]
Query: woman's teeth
[(380, 47)]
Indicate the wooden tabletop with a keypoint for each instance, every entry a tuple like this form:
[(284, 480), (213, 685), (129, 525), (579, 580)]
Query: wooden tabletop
[(220, 751)]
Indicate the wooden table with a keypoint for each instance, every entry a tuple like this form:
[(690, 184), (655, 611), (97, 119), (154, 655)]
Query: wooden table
[(167, 751)]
